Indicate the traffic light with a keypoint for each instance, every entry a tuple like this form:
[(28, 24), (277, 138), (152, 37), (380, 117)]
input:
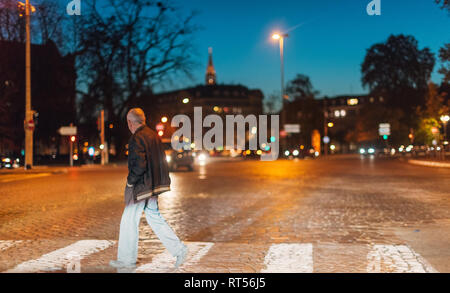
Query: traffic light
[(160, 133), (385, 137)]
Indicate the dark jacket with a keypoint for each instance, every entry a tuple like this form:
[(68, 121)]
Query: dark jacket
[(148, 171)]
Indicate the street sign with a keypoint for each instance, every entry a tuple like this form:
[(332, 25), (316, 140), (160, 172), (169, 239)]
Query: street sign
[(68, 130), (292, 128), (384, 129), (29, 125), (159, 126)]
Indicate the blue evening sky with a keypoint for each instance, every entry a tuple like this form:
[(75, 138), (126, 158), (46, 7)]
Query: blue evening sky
[(329, 46)]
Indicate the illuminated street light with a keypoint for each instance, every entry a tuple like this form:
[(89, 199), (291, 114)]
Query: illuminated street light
[(445, 119), (185, 100), (330, 124), (164, 119), (280, 38)]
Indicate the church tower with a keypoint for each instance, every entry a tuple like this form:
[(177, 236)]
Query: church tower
[(210, 71)]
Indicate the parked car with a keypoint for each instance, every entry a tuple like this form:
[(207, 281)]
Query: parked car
[(10, 161)]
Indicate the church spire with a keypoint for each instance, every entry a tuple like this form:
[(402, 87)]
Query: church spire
[(210, 71)]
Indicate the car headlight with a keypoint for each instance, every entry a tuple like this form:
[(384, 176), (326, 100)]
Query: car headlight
[(202, 157), (371, 151), (362, 151), (168, 158)]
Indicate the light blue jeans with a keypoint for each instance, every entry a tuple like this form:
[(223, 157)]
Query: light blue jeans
[(129, 230)]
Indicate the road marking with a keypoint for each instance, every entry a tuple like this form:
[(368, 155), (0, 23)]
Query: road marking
[(59, 259), (16, 177), (396, 259), (164, 262), (289, 258), (280, 258), (5, 244)]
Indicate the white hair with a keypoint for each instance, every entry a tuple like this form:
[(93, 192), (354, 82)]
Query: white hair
[(136, 115)]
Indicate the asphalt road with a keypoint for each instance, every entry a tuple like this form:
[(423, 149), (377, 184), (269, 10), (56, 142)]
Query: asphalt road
[(325, 215)]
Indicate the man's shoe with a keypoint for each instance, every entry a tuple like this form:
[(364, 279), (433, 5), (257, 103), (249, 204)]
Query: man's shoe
[(181, 258), (120, 265)]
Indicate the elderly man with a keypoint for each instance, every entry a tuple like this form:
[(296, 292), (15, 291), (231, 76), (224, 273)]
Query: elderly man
[(148, 176)]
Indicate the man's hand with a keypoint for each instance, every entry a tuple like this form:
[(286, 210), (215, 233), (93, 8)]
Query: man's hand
[(129, 185)]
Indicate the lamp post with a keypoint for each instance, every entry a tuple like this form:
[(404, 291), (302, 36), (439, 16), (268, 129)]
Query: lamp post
[(28, 112), (445, 119), (280, 38)]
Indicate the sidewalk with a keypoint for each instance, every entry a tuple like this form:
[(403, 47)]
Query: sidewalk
[(429, 163)]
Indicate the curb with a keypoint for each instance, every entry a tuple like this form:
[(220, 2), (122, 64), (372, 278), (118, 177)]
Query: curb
[(429, 163)]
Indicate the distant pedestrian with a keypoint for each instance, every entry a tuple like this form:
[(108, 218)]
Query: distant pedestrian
[(148, 176)]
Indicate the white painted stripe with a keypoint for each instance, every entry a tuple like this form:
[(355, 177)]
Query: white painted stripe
[(164, 262), (289, 258), (59, 259), (396, 259), (5, 244)]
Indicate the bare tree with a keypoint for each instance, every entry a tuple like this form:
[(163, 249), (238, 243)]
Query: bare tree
[(445, 4), (12, 22), (126, 48)]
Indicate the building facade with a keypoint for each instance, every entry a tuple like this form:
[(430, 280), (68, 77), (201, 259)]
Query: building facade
[(53, 93), (336, 117), (212, 97)]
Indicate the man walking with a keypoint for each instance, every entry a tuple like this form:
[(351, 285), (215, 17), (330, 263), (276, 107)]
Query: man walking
[(148, 176)]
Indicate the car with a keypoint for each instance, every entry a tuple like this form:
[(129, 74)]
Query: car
[(301, 153), (375, 149), (180, 158), (10, 162)]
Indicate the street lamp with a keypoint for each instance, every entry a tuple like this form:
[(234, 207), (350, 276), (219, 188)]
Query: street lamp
[(28, 112), (280, 38), (445, 119)]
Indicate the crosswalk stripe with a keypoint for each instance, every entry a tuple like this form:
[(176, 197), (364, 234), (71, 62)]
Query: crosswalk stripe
[(59, 259), (5, 244), (289, 258), (164, 262), (279, 258), (396, 259)]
